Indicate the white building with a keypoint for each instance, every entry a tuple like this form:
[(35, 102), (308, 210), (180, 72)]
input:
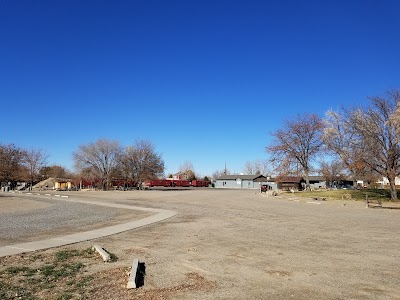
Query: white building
[(385, 181)]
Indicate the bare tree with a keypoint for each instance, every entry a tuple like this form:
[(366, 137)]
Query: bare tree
[(11, 159), (263, 167), (218, 173), (100, 158), (140, 162), (377, 134), (332, 171), (256, 167), (187, 170), (341, 140), (34, 160), (86, 175), (249, 168), (297, 145)]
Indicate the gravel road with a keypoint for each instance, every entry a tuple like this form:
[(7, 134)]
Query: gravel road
[(238, 244), (31, 218)]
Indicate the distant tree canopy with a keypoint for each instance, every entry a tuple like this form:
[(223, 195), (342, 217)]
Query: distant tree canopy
[(140, 162), (339, 140), (296, 145), (34, 160), (100, 158), (256, 168), (218, 173), (17, 164), (54, 171), (333, 171), (186, 171), (11, 163), (367, 139)]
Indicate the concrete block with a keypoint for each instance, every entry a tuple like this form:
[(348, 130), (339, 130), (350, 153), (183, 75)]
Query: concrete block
[(102, 252), (132, 275)]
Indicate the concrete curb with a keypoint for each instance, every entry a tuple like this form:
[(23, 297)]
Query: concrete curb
[(104, 255), (132, 275), (160, 215)]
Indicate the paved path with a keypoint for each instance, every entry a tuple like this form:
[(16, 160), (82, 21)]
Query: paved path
[(160, 214)]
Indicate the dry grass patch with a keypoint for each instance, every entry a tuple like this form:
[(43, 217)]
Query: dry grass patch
[(75, 274), (373, 194), (62, 275)]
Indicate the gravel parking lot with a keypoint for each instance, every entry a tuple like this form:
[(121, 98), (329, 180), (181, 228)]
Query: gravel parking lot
[(238, 244), (30, 218)]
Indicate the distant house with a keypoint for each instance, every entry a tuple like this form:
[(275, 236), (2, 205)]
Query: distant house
[(290, 183), (240, 181), (299, 183), (62, 184), (282, 183), (317, 182), (54, 184), (385, 182)]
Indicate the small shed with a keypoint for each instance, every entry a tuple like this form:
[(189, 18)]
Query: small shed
[(62, 184)]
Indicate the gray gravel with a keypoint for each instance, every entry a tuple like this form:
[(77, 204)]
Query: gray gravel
[(59, 217)]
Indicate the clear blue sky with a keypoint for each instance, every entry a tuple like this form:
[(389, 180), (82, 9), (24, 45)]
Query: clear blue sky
[(205, 81)]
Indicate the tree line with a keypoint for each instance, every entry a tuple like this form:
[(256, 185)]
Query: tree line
[(17, 164), (106, 159), (100, 161), (363, 142)]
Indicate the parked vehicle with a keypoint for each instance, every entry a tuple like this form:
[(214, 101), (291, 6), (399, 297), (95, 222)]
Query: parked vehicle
[(265, 188)]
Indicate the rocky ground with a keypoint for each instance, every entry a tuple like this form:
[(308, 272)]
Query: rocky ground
[(223, 244)]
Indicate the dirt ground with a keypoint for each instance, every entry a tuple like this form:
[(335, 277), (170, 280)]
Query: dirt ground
[(239, 244)]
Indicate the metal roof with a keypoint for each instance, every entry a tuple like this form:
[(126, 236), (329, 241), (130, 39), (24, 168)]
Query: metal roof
[(243, 177), (265, 179)]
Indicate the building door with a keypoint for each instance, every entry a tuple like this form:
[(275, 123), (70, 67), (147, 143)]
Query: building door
[(239, 183)]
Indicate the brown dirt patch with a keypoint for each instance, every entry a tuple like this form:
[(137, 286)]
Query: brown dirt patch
[(80, 274)]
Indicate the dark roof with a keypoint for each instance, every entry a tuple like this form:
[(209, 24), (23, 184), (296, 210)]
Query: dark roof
[(265, 179), (289, 179), (316, 178), (243, 177), (62, 179)]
